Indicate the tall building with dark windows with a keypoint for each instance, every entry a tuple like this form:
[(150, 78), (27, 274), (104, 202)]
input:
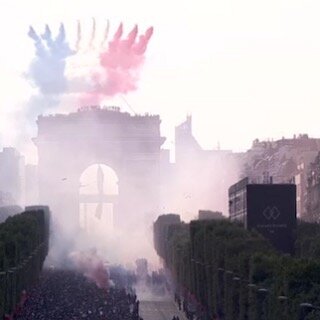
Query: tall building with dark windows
[(267, 208)]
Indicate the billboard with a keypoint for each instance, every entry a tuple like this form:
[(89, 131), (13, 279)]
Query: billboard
[(271, 210)]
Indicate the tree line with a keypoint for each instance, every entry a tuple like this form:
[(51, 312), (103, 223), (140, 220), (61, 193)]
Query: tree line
[(228, 272), (24, 241)]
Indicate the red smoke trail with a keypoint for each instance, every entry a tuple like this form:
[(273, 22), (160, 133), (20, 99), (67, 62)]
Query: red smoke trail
[(120, 64)]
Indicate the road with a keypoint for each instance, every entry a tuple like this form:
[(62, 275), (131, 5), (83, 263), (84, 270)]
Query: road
[(159, 310)]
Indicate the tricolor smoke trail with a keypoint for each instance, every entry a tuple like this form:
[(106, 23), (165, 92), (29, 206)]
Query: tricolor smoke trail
[(120, 64), (86, 73)]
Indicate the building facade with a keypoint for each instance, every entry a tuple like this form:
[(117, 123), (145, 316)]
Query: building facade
[(200, 177), (268, 208), (129, 146), (313, 191), (285, 160)]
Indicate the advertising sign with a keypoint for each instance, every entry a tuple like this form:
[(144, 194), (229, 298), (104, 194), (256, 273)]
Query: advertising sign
[(271, 210)]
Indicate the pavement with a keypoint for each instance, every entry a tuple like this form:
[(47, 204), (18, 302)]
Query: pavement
[(159, 310)]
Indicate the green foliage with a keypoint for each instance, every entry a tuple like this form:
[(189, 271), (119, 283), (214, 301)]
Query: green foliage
[(263, 269), (189, 252), (308, 240), (19, 236), (23, 248)]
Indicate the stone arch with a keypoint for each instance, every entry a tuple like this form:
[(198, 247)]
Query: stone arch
[(130, 145)]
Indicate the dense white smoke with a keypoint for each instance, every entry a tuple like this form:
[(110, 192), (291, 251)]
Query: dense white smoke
[(58, 72), (65, 77)]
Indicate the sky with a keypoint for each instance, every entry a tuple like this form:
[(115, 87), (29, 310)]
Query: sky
[(243, 69)]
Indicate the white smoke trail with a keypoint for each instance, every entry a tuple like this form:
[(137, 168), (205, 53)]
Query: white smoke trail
[(78, 36), (93, 33), (106, 34)]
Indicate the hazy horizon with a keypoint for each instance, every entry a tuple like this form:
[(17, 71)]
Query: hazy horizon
[(244, 70)]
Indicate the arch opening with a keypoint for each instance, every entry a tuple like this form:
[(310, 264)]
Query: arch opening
[(98, 197)]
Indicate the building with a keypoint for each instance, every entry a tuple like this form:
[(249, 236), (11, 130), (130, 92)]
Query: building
[(238, 201), (313, 191), (286, 160), (12, 177), (200, 176), (123, 152), (267, 208)]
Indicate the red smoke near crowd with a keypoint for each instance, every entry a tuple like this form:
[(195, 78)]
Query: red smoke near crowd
[(120, 65), (91, 265)]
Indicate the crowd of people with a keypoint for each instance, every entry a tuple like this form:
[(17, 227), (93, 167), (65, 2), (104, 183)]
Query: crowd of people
[(68, 295)]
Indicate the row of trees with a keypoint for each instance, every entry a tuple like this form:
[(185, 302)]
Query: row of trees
[(24, 240), (232, 273), (308, 241)]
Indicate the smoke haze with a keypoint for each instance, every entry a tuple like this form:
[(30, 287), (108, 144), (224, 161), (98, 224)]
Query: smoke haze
[(94, 69), (64, 77)]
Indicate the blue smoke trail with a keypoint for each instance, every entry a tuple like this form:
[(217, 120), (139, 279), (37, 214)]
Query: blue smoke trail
[(47, 36), (46, 73), (47, 70)]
